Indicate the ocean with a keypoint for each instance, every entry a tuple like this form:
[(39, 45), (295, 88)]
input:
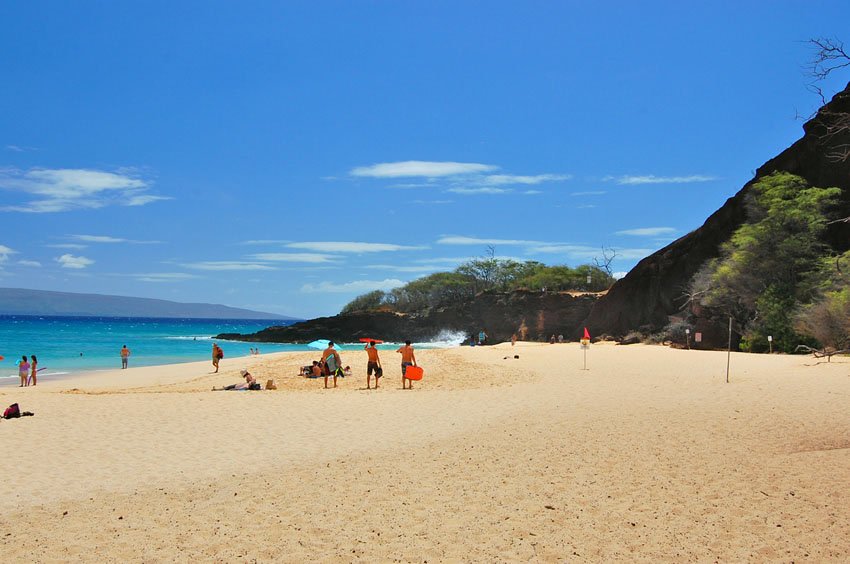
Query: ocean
[(70, 345), (67, 345)]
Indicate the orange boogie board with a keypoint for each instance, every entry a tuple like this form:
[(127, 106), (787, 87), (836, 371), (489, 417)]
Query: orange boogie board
[(414, 373)]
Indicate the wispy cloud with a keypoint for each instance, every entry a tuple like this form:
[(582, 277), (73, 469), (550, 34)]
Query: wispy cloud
[(502, 179), (109, 239), (585, 252), (482, 190), (647, 231), (432, 202), (652, 179), (221, 265), (19, 148), (355, 287), (428, 169), (33, 263), (74, 262), (293, 257), (265, 242), (350, 247), (5, 252), (455, 240), (160, 277), (422, 268), (74, 246), (589, 193), (58, 190), (532, 192)]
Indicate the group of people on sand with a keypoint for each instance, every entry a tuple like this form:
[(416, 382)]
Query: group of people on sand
[(329, 366), (28, 371)]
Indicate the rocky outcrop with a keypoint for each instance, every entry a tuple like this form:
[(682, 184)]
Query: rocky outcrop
[(653, 290), (537, 315)]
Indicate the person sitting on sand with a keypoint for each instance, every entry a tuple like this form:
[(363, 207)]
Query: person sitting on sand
[(316, 370), (333, 364), (407, 359), (249, 384), (373, 364)]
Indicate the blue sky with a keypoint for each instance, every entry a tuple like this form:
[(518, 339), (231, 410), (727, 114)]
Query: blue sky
[(288, 156)]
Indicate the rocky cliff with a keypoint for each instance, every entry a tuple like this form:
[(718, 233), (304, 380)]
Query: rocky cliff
[(653, 290), (537, 315)]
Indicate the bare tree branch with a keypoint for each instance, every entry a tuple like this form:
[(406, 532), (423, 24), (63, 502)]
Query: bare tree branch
[(829, 56)]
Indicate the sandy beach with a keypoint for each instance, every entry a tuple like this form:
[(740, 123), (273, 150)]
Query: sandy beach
[(649, 455)]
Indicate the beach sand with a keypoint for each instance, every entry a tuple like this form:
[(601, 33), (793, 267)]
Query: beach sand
[(648, 455)]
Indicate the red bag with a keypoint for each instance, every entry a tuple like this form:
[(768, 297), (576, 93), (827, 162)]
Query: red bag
[(12, 411)]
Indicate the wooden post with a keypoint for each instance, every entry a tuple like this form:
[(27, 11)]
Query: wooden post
[(729, 350)]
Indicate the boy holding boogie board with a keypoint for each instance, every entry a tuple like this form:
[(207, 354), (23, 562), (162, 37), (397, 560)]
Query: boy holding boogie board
[(408, 364)]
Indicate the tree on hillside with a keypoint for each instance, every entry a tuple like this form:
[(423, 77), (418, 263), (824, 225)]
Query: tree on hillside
[(827, 319), (762, 272), (371, 301)]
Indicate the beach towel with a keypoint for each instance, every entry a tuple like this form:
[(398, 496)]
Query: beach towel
[(12, 411)]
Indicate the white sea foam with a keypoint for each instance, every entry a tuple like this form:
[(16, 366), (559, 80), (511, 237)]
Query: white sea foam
[(191, 338), (445, 339)]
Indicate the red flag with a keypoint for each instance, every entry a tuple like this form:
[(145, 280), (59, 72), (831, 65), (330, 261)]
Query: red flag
[(586, 334)]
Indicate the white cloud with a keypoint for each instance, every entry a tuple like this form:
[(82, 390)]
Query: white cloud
[(75, 262), (618, 275), (57, 190), (356, 287), (477, 241), (652, 179), (108, 239), (501, 179), (482, 190), (589, 193), (33, 263), (587, 252), (98, 239), (432, 202), (227, 265), (74, 246), (408, 268), (265, 242), (428, 169), (293, 257), (164, 277), (350, 247), (532, 192), (647, 231), (5, 252)]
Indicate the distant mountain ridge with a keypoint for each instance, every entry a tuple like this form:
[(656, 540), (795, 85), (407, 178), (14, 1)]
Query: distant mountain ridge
[(19, 301)]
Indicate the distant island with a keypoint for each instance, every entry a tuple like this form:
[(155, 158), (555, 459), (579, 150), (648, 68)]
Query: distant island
[(19, 301)]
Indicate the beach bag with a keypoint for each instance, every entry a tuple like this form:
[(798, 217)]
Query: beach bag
[(12, 412), (271, 385)]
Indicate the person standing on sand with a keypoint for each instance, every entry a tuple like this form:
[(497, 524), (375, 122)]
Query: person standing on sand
[(34, 370), (217, 355), (24, 371), (125, 356), (332, 363), (513, 340), (407, 359), (373, 364)]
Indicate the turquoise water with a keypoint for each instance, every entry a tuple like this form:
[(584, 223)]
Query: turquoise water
[(67, 345)]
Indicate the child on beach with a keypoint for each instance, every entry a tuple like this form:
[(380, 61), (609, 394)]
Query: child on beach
[(33, 370), (24, 371)]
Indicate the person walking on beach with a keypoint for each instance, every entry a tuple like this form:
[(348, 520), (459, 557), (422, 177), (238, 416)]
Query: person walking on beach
[(217, 355), (33, 370), (24, 371), (374, 364), (125, 356), (513, 340), (407, 359), (332, 362)]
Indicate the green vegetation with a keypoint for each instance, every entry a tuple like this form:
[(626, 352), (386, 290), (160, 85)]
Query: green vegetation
[(444, 289), (772, 266)]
